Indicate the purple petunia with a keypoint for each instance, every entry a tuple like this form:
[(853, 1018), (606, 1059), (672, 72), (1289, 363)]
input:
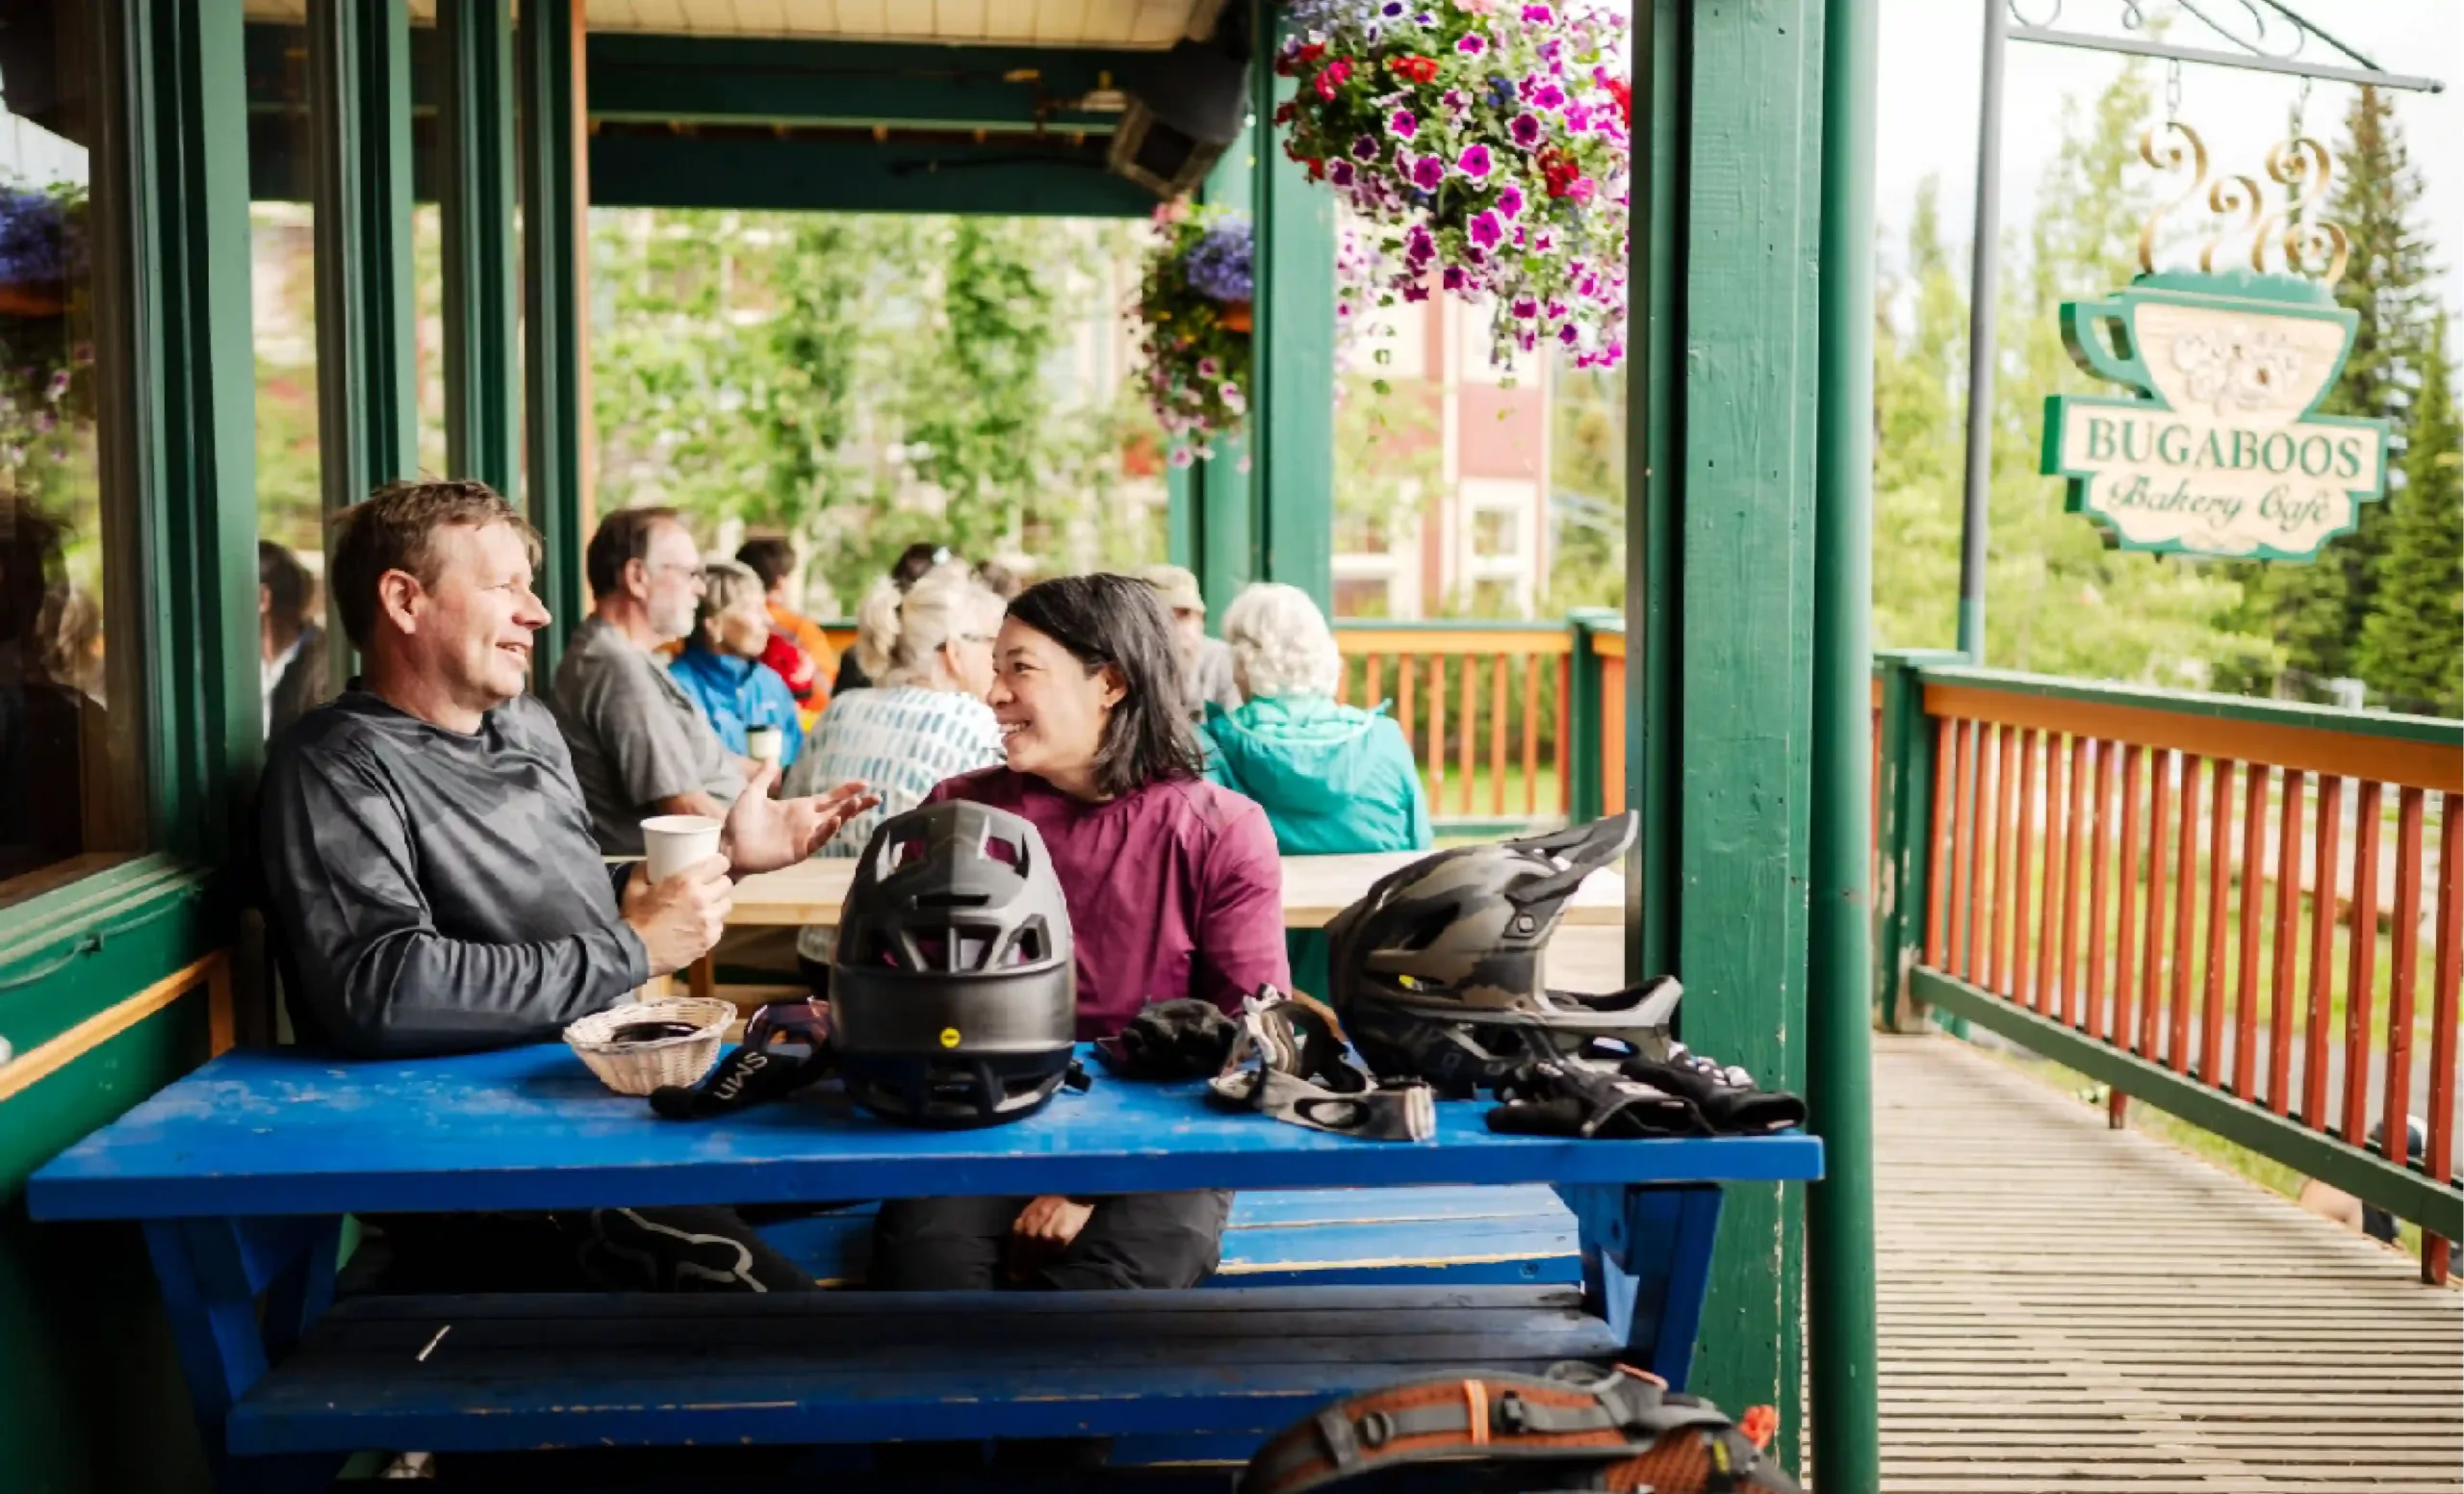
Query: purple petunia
[(1391, 8), (1525, 308), (1208, 368), (1548, 95), (1452, 279), (1342, 173), (1567, 335), (1420, 243), (1475, 162), (1454, 99), (1402, 124), (1526, 130), (1417, 291), (1364, 147), (1487, 229), (1473, 44), (1510, 201), (1428, 173), (1555, 310)]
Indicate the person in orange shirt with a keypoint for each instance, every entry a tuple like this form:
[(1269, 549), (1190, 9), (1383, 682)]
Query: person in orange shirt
[(799, 650)]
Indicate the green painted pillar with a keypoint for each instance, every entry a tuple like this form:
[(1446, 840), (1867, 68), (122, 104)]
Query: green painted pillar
[(178, 443), (548, 85), (1291, 422), (1219, 507), (359, 94), (475, 199), (1180, 517), (1725, 273), (1839, 1209)]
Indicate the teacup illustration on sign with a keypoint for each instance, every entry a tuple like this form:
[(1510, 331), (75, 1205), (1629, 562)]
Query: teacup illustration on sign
[(2221, 451)]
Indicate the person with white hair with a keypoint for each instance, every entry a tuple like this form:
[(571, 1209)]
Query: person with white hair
[(927, 650), (1331, 778)]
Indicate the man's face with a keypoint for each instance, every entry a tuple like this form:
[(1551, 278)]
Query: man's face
[(471, 629), (1189, 631), (672, 581)]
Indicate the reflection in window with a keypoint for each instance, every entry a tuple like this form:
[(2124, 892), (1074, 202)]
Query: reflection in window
[(68, 799)]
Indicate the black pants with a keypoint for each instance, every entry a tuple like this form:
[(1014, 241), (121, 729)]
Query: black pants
[(1146, 1240), (615, 1249)]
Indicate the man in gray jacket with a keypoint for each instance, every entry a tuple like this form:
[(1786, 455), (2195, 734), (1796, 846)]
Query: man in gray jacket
[(432, 885)]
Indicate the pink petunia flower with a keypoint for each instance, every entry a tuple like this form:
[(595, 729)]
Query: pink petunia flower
[(1487, 229), (1454, 99), (1182, 456), (1525, 308), (1208, 368), (1417, 291), (1510, 201), (1402, 124), (1548, 95), (1420, 243), (1453, 278), (1475, 162), (1428, 173), (1524, 129), (1539, 16), (1473, 44), (1582, 190)]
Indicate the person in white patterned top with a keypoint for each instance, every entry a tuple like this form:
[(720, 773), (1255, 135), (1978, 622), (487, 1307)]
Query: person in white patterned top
[(928, 651)]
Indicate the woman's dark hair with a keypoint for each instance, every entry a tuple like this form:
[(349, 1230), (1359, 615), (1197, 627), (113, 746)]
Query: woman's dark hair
[(916, 559), (771, 558), (1117, 620)]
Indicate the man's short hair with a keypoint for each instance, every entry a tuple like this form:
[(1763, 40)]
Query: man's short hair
[(771, 558), (393, 530), (624, 536)]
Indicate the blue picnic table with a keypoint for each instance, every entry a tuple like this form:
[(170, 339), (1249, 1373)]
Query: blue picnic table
[(242, 1173)]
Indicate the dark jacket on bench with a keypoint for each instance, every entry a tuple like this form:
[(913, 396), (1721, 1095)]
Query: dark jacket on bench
[(428, 891)]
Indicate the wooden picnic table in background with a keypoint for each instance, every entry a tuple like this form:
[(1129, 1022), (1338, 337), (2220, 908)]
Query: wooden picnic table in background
[(1315, 889)]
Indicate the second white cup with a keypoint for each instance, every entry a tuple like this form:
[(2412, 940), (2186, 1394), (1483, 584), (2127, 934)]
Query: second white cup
[(764, 743), (676, 841)]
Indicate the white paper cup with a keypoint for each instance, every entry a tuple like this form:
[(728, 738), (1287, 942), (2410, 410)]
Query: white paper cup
[(764, 743), (676, 841)]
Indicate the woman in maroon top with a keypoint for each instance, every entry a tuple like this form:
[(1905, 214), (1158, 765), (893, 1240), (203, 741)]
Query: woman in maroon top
[(1173, 890)]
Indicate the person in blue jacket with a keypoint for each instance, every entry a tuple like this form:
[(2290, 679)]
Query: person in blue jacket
[(1333, 779), (721, 668)]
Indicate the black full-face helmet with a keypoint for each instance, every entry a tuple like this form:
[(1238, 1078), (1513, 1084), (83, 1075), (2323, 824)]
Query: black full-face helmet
[(951, 994), (1437, 972)]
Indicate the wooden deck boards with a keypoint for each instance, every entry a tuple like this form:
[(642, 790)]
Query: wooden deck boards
[(2074, 1310)]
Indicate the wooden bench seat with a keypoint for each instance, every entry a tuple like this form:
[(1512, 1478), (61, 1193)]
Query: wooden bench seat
[(532, 1372), (1503, 1236)]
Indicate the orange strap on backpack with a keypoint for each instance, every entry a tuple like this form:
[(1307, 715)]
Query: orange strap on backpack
[(1579, 1428)]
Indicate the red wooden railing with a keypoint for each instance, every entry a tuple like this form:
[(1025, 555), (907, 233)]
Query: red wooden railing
[(1479, 702), (2151, 877)]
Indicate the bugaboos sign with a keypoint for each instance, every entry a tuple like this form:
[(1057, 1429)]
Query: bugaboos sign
[(2220, 450)]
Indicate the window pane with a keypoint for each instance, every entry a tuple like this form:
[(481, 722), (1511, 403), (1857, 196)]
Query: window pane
[(71, 791)]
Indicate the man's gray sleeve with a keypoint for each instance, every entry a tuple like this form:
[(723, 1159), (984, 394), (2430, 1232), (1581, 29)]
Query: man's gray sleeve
[(644, 739), (379, 979)]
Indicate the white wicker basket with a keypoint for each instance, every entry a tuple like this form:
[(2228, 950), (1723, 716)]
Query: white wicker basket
[(639, 1068)]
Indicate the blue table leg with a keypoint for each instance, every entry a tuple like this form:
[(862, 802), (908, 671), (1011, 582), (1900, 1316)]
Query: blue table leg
[(1647, 1267), (211, 1272)]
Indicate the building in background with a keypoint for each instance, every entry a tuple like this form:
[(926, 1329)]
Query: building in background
[(1471, 535)]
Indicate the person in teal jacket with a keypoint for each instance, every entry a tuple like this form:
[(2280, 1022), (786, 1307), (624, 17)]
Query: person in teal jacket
[(1333, 779), (720, 667)]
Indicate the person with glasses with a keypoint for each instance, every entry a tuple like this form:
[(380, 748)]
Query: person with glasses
[(928, 649), (640, 746), (721, 667)]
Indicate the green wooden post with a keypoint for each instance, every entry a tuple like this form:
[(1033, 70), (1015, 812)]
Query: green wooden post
[(475, 199), (1903, 841), (1839, 1210), (550, 165), (178, 436), (1589, 790), (359, 94), (1741, 553), (1656, 371), (1292, 422), (1223, 528)]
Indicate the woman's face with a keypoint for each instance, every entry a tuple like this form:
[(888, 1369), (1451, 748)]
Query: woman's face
[(744, 628), (1052, 711)]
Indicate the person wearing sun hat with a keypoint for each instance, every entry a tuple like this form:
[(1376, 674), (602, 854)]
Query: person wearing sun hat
[(1206, 663)]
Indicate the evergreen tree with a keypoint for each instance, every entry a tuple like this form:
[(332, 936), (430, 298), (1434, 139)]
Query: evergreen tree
[(2316, 611), (2412, 641)]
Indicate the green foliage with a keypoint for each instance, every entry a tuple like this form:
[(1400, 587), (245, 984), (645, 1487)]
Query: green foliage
[(2322, 613), (1387, 457), (860, 383), (2412, 641), (1588, 491), (2057, 600)]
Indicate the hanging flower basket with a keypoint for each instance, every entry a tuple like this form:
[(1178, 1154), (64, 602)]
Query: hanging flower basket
[(43, 247), (1486, 144), (1195, 303)]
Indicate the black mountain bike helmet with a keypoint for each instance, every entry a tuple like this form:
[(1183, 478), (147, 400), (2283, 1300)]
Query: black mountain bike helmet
[(951, 992), (1437, 972)]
